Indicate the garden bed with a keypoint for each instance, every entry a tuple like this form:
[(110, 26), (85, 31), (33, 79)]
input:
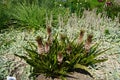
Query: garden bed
[(104, 29)]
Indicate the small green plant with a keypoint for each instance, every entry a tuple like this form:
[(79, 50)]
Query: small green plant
[(30, 15), (56, 57), (107, 32)]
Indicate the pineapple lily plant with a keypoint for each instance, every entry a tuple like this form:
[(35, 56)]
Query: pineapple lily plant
[(58, 57)]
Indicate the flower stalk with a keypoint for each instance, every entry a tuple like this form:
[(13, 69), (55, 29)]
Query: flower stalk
[(88, 43), (47, 47), (49, 32), (40, 45), (81, 35)]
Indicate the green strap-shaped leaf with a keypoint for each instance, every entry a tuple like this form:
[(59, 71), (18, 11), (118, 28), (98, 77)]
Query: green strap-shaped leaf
[(93, 49), (22, 57), (29, 61), (32, 45), (82, 67), (75, 58), (31, 53), (99, 53), (98, 61)]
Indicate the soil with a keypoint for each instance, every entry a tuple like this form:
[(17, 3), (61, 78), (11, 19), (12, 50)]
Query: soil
[(72, 76)]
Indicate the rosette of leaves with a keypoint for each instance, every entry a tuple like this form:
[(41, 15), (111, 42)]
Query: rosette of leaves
[(58, 57)]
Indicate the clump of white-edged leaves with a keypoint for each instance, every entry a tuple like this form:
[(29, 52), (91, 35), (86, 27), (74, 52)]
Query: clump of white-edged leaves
[(56, 57)]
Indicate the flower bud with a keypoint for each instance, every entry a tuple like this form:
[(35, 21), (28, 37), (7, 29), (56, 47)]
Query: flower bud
[(60, 58), (49, 30), (81, 36), (47, 47), (88, 43)]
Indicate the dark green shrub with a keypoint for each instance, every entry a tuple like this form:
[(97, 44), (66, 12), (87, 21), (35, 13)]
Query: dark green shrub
[(4, 15), (76, 6), (112, 10)]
